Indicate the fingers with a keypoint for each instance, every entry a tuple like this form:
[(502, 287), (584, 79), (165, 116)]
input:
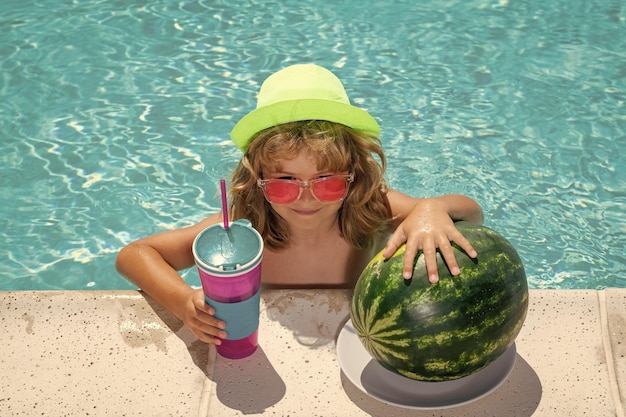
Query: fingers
[(205, 325), (209, 330), (444, 246), (430, 259), (429, 243), (395, 241), (429, 248), (447, 253), (460, 240), (410, 252), (205, 337)]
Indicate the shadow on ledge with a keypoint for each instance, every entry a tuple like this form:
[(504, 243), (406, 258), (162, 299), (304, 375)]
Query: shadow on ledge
[(249, 385), (518, 396), (198, 350)]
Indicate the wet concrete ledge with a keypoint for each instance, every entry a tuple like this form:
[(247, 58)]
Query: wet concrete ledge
[(105, 353)]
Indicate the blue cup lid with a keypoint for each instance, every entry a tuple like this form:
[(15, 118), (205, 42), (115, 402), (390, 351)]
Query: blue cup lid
[(237, 249)]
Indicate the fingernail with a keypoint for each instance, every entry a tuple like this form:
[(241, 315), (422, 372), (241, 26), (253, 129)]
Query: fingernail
[(455, 271), (434, 278), (407, 275)]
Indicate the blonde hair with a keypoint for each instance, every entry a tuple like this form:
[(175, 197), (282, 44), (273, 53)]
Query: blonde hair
[(364, 216)]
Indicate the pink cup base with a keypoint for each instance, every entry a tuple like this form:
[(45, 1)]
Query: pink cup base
[(239, 349)]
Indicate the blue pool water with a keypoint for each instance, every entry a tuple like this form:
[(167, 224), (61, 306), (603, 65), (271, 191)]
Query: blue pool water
[(115, 118)]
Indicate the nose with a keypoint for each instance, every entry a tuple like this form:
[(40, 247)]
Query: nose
[(306, 191)]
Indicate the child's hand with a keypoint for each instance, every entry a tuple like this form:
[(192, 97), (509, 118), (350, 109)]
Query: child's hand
[(428, 227), (198, 316)]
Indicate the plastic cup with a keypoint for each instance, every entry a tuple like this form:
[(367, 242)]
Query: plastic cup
[(229, 265)]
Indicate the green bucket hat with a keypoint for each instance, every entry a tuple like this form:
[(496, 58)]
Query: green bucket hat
[(301, 92)]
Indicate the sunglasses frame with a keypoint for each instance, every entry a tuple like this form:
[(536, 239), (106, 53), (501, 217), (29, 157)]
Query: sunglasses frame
[(349, 178)]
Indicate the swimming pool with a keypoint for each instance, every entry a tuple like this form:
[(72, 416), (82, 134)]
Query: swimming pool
[(115, 118)]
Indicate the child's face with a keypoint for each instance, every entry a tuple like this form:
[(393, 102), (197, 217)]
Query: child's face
[(306, 212)]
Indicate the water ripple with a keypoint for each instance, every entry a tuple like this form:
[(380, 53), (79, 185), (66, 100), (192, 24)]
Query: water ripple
[(115, 119)]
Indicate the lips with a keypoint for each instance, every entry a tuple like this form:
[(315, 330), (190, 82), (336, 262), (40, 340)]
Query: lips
[(305, 212)]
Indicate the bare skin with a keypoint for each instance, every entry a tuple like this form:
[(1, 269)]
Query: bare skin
[(316, 256)]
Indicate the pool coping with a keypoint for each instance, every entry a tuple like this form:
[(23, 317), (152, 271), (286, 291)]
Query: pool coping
[(119, 353)]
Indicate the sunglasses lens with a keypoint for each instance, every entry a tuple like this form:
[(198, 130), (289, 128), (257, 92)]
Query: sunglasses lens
[(331, 189), (281, 192), (327, 190)]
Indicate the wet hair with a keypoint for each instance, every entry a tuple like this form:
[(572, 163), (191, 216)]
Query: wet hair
[(364, 216)]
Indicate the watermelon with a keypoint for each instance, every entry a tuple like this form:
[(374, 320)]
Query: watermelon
[(448, 330)]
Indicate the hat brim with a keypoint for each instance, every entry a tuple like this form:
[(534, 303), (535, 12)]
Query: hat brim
[(298, 110)]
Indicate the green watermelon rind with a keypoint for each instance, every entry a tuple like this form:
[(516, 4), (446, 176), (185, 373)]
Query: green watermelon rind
[(418, 337)]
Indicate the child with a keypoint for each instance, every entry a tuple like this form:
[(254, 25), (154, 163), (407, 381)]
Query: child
[(311, 182)]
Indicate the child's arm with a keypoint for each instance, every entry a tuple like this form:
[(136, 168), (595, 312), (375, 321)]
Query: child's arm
[(151, 263), (428, 224)]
